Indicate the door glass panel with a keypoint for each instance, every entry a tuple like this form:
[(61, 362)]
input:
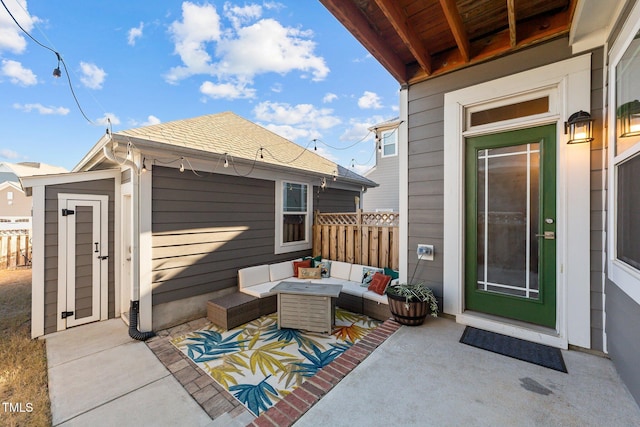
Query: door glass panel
[(508, 209)]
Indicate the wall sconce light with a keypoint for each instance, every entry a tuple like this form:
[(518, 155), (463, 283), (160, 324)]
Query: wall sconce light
[(629, 119), (579, 127)]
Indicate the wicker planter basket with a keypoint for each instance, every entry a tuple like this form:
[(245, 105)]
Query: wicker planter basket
[(412, 313)]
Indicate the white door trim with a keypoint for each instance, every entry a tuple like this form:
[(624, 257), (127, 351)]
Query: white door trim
[(569, 82), (66, 257)]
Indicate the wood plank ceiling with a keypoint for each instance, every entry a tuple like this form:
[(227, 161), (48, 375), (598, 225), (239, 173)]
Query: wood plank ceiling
[(418, 39)]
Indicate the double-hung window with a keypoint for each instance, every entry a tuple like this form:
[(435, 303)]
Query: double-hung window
[(389, 141), (624, 160), (293, 216)]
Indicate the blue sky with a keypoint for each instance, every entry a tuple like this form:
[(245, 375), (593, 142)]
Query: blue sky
[(287, 65)]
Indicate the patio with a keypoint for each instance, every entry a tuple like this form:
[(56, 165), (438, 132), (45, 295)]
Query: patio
[(418, 376)]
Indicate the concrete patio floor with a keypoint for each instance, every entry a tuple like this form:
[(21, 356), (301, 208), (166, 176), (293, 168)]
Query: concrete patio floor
[(420, 376)]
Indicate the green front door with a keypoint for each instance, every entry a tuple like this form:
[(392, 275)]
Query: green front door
[(510, 248)]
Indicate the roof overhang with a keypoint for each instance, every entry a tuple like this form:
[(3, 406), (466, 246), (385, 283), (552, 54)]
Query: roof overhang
[(419, 39), (150, 148)]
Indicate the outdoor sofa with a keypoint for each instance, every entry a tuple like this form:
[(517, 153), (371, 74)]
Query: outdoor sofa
[(355, 296)]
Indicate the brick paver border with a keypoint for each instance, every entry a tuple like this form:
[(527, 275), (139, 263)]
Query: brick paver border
[(217, 401)]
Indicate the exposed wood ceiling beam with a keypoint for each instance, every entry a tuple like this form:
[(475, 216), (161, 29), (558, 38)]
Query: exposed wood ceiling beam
[(457, 27), (353, 19), (511, 12), (398, 20)]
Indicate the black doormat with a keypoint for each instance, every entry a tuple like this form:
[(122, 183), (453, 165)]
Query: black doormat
[(531, 352)]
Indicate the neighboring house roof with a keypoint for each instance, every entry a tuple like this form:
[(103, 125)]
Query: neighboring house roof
[(388, 124), (227, 134), (7, 184), (13, 171)]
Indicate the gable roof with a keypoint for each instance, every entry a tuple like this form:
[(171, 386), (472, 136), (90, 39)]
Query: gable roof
[(231, 135)]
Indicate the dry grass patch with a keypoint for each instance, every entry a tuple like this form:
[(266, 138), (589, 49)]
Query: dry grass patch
[(23, 361)]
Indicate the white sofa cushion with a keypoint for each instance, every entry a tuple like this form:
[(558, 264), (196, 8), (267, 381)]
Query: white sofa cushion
[(252, 276), (261, 290), (356, 273), (373, 296), (281, 270), (340, 270), (353, 288)]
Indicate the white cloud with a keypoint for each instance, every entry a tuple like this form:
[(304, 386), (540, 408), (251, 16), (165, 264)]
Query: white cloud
[(356, 132), (369, 100), (292, 133), (92, 75), (361, 169), (267, 46), (227, 90), (305, 116), (200, 25), (239, 15), (329, 97), (11, 37), (359, 129), (104, 120), (151, 120), (8, 154), (276, 87), (134, 34), (17, 73), (248, 47), (61, 111)]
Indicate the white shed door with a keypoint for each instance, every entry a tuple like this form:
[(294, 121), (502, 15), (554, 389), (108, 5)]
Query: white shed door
[(84, 252)]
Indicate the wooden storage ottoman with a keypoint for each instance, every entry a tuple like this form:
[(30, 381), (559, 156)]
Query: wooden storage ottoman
[(233, 310), (268, 305), (376, 310)]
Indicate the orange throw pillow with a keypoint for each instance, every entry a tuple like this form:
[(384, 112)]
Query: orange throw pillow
[(379, 283), (304, 264)]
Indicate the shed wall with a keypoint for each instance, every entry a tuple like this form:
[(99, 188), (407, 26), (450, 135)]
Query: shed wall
[(99, 187)]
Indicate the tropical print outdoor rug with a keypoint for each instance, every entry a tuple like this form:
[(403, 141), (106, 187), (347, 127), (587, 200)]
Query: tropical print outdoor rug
[(260, 364)]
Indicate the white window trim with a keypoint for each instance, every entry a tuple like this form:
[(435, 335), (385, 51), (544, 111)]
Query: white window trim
[(394, 132), (624, 276), (571, 82), (280, 247)]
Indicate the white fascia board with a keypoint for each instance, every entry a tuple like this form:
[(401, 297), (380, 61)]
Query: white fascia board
[(65, 178), (96, 150)]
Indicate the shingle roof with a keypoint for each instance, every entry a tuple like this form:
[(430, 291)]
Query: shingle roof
[(241, 139), (23, 169)]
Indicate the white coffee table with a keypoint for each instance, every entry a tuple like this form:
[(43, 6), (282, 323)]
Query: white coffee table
[(306, 305)]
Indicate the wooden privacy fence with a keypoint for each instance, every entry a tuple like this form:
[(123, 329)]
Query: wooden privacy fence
[(15, 249), (368, 238)]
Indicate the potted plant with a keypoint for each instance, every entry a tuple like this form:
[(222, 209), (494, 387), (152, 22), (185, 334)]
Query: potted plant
[(411, 302)]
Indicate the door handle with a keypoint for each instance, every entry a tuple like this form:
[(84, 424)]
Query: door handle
[(548, 235)]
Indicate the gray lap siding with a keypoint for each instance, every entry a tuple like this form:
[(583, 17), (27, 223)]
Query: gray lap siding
[(426, 160), (207, 227), (99, 187)]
